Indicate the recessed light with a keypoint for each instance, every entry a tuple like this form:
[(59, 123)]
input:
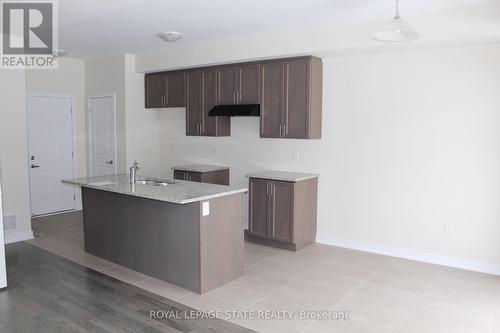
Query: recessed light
[(170, 36)]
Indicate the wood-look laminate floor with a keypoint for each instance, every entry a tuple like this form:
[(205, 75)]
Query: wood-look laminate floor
[(47, 293)]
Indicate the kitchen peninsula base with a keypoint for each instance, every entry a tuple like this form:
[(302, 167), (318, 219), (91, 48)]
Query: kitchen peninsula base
[(195, 247)]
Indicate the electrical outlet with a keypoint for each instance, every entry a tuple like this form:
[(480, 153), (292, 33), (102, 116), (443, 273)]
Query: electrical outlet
[(295, 155), (214, 151)]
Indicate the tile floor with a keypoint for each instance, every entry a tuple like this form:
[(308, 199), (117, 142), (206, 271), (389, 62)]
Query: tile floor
[(382, 294)]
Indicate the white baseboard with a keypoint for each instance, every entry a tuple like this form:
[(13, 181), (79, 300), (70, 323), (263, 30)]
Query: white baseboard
[(18, 236), (470, 265)]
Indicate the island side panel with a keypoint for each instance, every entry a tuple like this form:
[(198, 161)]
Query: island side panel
[(156, 238), (305, 213), (222, 241)]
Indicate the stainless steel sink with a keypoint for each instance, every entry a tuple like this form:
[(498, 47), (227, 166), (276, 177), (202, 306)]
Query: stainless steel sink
[(153, 182)]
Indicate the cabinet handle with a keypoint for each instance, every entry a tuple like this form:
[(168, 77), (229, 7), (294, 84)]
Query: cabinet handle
[(267, 188), (237, 97), (281, 130)]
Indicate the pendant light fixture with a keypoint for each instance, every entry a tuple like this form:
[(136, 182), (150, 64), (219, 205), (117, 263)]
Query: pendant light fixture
[(396, 30)]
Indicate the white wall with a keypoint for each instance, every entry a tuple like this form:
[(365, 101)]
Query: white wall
[(410, 143), (67, 80), (14, 153), (107, 76), (142, 126)]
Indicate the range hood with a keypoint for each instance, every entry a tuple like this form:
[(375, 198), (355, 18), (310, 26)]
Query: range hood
[(250, 110)]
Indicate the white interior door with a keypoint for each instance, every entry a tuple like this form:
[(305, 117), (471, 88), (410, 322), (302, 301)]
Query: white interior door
[(50, 136), (102, 135)]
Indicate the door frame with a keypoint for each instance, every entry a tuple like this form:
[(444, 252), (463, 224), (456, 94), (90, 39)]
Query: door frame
[(73, 139), (89, 131)]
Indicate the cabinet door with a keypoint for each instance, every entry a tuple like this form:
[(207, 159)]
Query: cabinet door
[(259, 208), (271, 107), (194, 177), (296, 99), (209, 99), (154, 87), (180, 175), (176, 87), (226, 85), (248, 84), (282, 211), (193, 102)]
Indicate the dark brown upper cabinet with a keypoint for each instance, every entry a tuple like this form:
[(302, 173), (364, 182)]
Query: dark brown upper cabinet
[(165, 90), (193, 103), (238, 84), (289, 92), (201, 98), (154, 84), (176, 89), (271, 106), (291, 98), (226, 85)]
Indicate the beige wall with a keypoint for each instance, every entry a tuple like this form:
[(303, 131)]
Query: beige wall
[(14, 153), (410, 144), (67, 80)]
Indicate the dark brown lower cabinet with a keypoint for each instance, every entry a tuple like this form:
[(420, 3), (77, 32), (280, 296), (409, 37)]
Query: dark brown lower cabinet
[(283, 214), (220, 177)]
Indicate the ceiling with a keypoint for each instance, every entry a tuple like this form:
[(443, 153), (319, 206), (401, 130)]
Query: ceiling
[(93, 28)]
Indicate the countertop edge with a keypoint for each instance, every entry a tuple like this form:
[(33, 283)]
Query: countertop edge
[(181, 168), (180, 202), (295, 180)]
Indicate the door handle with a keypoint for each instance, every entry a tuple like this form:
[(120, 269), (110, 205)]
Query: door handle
[(33, 166), (110, 162)]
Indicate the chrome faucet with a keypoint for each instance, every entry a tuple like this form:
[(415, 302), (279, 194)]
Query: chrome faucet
[(133, 172)]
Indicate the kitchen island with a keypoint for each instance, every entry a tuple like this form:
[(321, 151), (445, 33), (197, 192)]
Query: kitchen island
[(187, 233)]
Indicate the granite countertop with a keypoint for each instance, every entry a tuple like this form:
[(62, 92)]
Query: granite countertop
[(200, 168), (177, 191), (283, 175)]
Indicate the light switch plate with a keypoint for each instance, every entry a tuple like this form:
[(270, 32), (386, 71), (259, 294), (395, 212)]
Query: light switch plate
[(205, 208)]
